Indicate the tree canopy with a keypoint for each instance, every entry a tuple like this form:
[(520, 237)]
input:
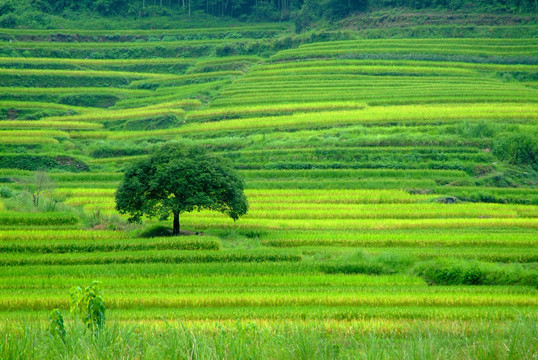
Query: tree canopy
[(21, 13), (177, 179)]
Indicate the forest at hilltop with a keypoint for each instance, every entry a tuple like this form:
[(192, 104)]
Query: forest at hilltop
[(50, 13)]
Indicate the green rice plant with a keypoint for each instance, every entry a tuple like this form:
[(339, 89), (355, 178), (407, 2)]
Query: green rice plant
[(180, 80), (158, 270), (41, 236), (118, 160), (246, 300), (288, 197), (22, 91), (333, 174), (202, 63), (91, 192), (218, 282), (310, 83), (355, 155), (37, 219), (185, 91), (384, 88), (97, 62), (93, 177), (107, 244), (118, 115), (112, 45), (170, 108), (386, 96), (345, 184), (332, 315), (335, 196), (495, 254), (245, 111), (40, 105), (410, 238), (27, 140), (32, 133), (315, 211), (476, 47), (74, 73), (384, 62), (48, 74), (360, 224), (146, 257), (46, 124), (82, 185), (355, 80), (433, 114), (363, 69)]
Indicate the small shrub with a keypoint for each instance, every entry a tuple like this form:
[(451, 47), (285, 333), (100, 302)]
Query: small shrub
[(42, 162), (98, 221), (359, 268), (5, 192), (56, 325), (156, 231), (471, 272), (253, 234), (517, 149), (479, 129), (88, 306)]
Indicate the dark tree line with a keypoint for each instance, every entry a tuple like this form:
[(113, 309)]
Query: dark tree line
[(233, 8), (272, 10)]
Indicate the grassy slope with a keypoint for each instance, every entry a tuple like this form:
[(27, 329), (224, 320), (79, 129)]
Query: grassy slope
[(344, 229)]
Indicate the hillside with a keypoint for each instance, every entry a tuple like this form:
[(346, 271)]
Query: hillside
[(391, 173)]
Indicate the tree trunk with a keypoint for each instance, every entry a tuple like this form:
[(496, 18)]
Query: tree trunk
[(175, 231)]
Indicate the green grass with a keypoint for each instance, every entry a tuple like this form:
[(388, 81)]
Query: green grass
[(283, 342)]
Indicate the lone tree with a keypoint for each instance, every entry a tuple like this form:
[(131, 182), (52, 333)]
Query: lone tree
[(38, 185), (177, 179)]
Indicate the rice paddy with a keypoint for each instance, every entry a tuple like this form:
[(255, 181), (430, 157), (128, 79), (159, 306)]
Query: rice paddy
[(380, 201)]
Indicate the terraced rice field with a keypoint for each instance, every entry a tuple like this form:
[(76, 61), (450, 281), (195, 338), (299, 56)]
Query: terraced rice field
[(352, 154)]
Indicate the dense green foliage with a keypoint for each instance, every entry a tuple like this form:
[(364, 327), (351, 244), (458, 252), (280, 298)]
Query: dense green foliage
[(518, 149), (44, 13), (36, 162), (175, 180), (88, 306)]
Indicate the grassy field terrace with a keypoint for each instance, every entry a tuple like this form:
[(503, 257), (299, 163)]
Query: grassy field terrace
[(386, 198)]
